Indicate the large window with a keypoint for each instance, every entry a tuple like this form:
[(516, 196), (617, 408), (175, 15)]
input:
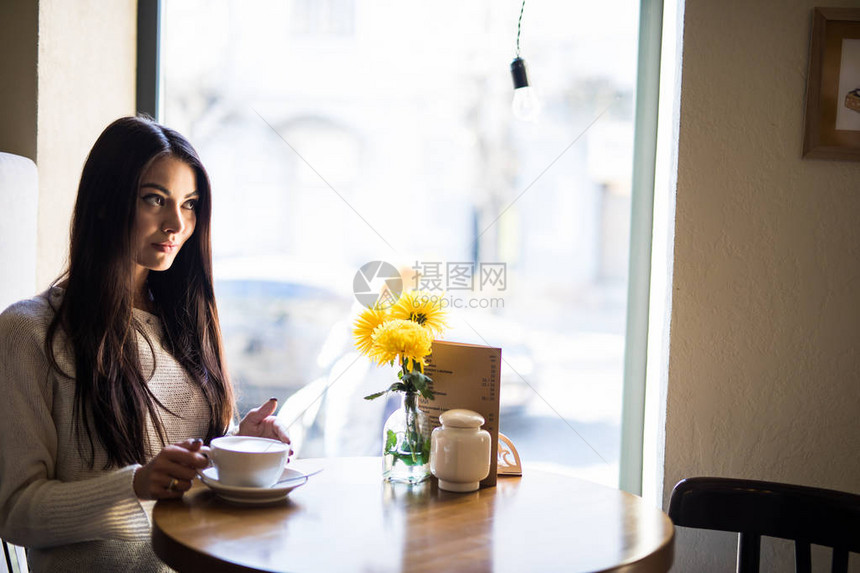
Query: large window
[(346, 131)]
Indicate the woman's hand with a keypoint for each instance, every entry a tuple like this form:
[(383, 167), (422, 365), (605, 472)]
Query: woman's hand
[(169, 474), (261, 422)]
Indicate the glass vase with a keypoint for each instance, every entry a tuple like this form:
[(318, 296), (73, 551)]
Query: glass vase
[(406, 443)]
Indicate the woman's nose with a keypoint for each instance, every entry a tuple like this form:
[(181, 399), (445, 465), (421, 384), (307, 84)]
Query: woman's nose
[(173, 222)]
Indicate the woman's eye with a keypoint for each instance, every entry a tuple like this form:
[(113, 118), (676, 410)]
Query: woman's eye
[(191, 204), (154, 199)]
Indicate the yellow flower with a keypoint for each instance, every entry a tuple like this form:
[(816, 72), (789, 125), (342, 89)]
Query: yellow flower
[(423, 308), (369, 319), (403, 339)]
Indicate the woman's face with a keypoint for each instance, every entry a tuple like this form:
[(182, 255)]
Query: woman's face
[(166, 213)]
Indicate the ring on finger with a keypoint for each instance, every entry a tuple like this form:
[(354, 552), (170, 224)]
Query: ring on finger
[(171, 486)]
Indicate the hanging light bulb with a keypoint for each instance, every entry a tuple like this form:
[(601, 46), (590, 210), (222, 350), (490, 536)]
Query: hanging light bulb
[(525, 105)]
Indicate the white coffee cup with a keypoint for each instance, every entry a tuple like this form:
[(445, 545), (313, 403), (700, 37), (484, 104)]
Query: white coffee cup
[(245, 461)]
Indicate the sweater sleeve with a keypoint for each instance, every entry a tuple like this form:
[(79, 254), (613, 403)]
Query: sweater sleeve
[(37, 509)]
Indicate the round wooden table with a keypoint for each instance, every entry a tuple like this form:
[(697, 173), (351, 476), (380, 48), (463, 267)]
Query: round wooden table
[(347, 519)]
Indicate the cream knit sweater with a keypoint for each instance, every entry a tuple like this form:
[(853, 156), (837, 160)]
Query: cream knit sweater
[(69, 516)]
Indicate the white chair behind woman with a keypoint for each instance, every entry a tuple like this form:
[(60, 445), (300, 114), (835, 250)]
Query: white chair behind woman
[(19, 195), (14, 559)]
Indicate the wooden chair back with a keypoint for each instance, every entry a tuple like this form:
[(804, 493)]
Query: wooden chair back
[(754, 509)]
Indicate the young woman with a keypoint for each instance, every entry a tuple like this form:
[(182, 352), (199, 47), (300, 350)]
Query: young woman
[(112, 379)]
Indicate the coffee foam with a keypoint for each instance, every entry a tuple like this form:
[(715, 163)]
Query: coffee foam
[(250, 445)]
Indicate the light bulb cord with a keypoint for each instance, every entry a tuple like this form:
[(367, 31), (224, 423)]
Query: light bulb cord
[(519, 26)]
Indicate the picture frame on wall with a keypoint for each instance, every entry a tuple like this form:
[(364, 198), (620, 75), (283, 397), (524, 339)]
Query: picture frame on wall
[(832, 118)]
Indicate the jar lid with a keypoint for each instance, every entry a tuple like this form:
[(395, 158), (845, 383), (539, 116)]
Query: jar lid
[(461, 418)]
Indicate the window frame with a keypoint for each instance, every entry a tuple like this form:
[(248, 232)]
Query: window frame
[(641, 231), (149, 95), (148, 89)]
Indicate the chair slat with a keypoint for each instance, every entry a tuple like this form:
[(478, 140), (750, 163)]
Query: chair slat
[(840, 560), (749, 550), (802, 557)]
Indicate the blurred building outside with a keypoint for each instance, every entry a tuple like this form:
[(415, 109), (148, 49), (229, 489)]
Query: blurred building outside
[(341, 132)]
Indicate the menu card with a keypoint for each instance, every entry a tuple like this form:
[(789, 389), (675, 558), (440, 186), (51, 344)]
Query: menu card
[(466, 376)]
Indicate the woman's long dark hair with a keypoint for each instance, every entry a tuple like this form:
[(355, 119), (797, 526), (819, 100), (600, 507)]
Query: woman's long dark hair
[(112, 397)]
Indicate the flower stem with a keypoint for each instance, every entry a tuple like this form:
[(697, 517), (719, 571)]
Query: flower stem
[(411, 423)]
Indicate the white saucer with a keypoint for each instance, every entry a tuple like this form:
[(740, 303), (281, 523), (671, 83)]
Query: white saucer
[(289, 480)]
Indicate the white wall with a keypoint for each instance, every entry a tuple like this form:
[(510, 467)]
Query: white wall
[(764, 356), (86, 79)]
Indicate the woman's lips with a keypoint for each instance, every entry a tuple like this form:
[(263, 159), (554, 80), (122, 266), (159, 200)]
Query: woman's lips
[(165, 247)]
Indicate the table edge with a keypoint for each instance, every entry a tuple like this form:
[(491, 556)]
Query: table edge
[(181, 557), (658, 561)]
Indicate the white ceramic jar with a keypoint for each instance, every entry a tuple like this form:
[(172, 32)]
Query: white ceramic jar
[(460, 451)]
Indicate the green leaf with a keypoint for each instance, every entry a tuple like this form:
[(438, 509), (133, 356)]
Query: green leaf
[(396, 387), (390, 442), (422, 385)]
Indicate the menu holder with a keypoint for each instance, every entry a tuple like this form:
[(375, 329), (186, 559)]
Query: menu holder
[(466, 376), (509, 458)]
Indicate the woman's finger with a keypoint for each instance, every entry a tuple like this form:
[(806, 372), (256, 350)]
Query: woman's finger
[(258, 415), (191, 444), (183, 457), (280, 431), (156, 485), (170, 480), (178, 471), (175, 485)]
